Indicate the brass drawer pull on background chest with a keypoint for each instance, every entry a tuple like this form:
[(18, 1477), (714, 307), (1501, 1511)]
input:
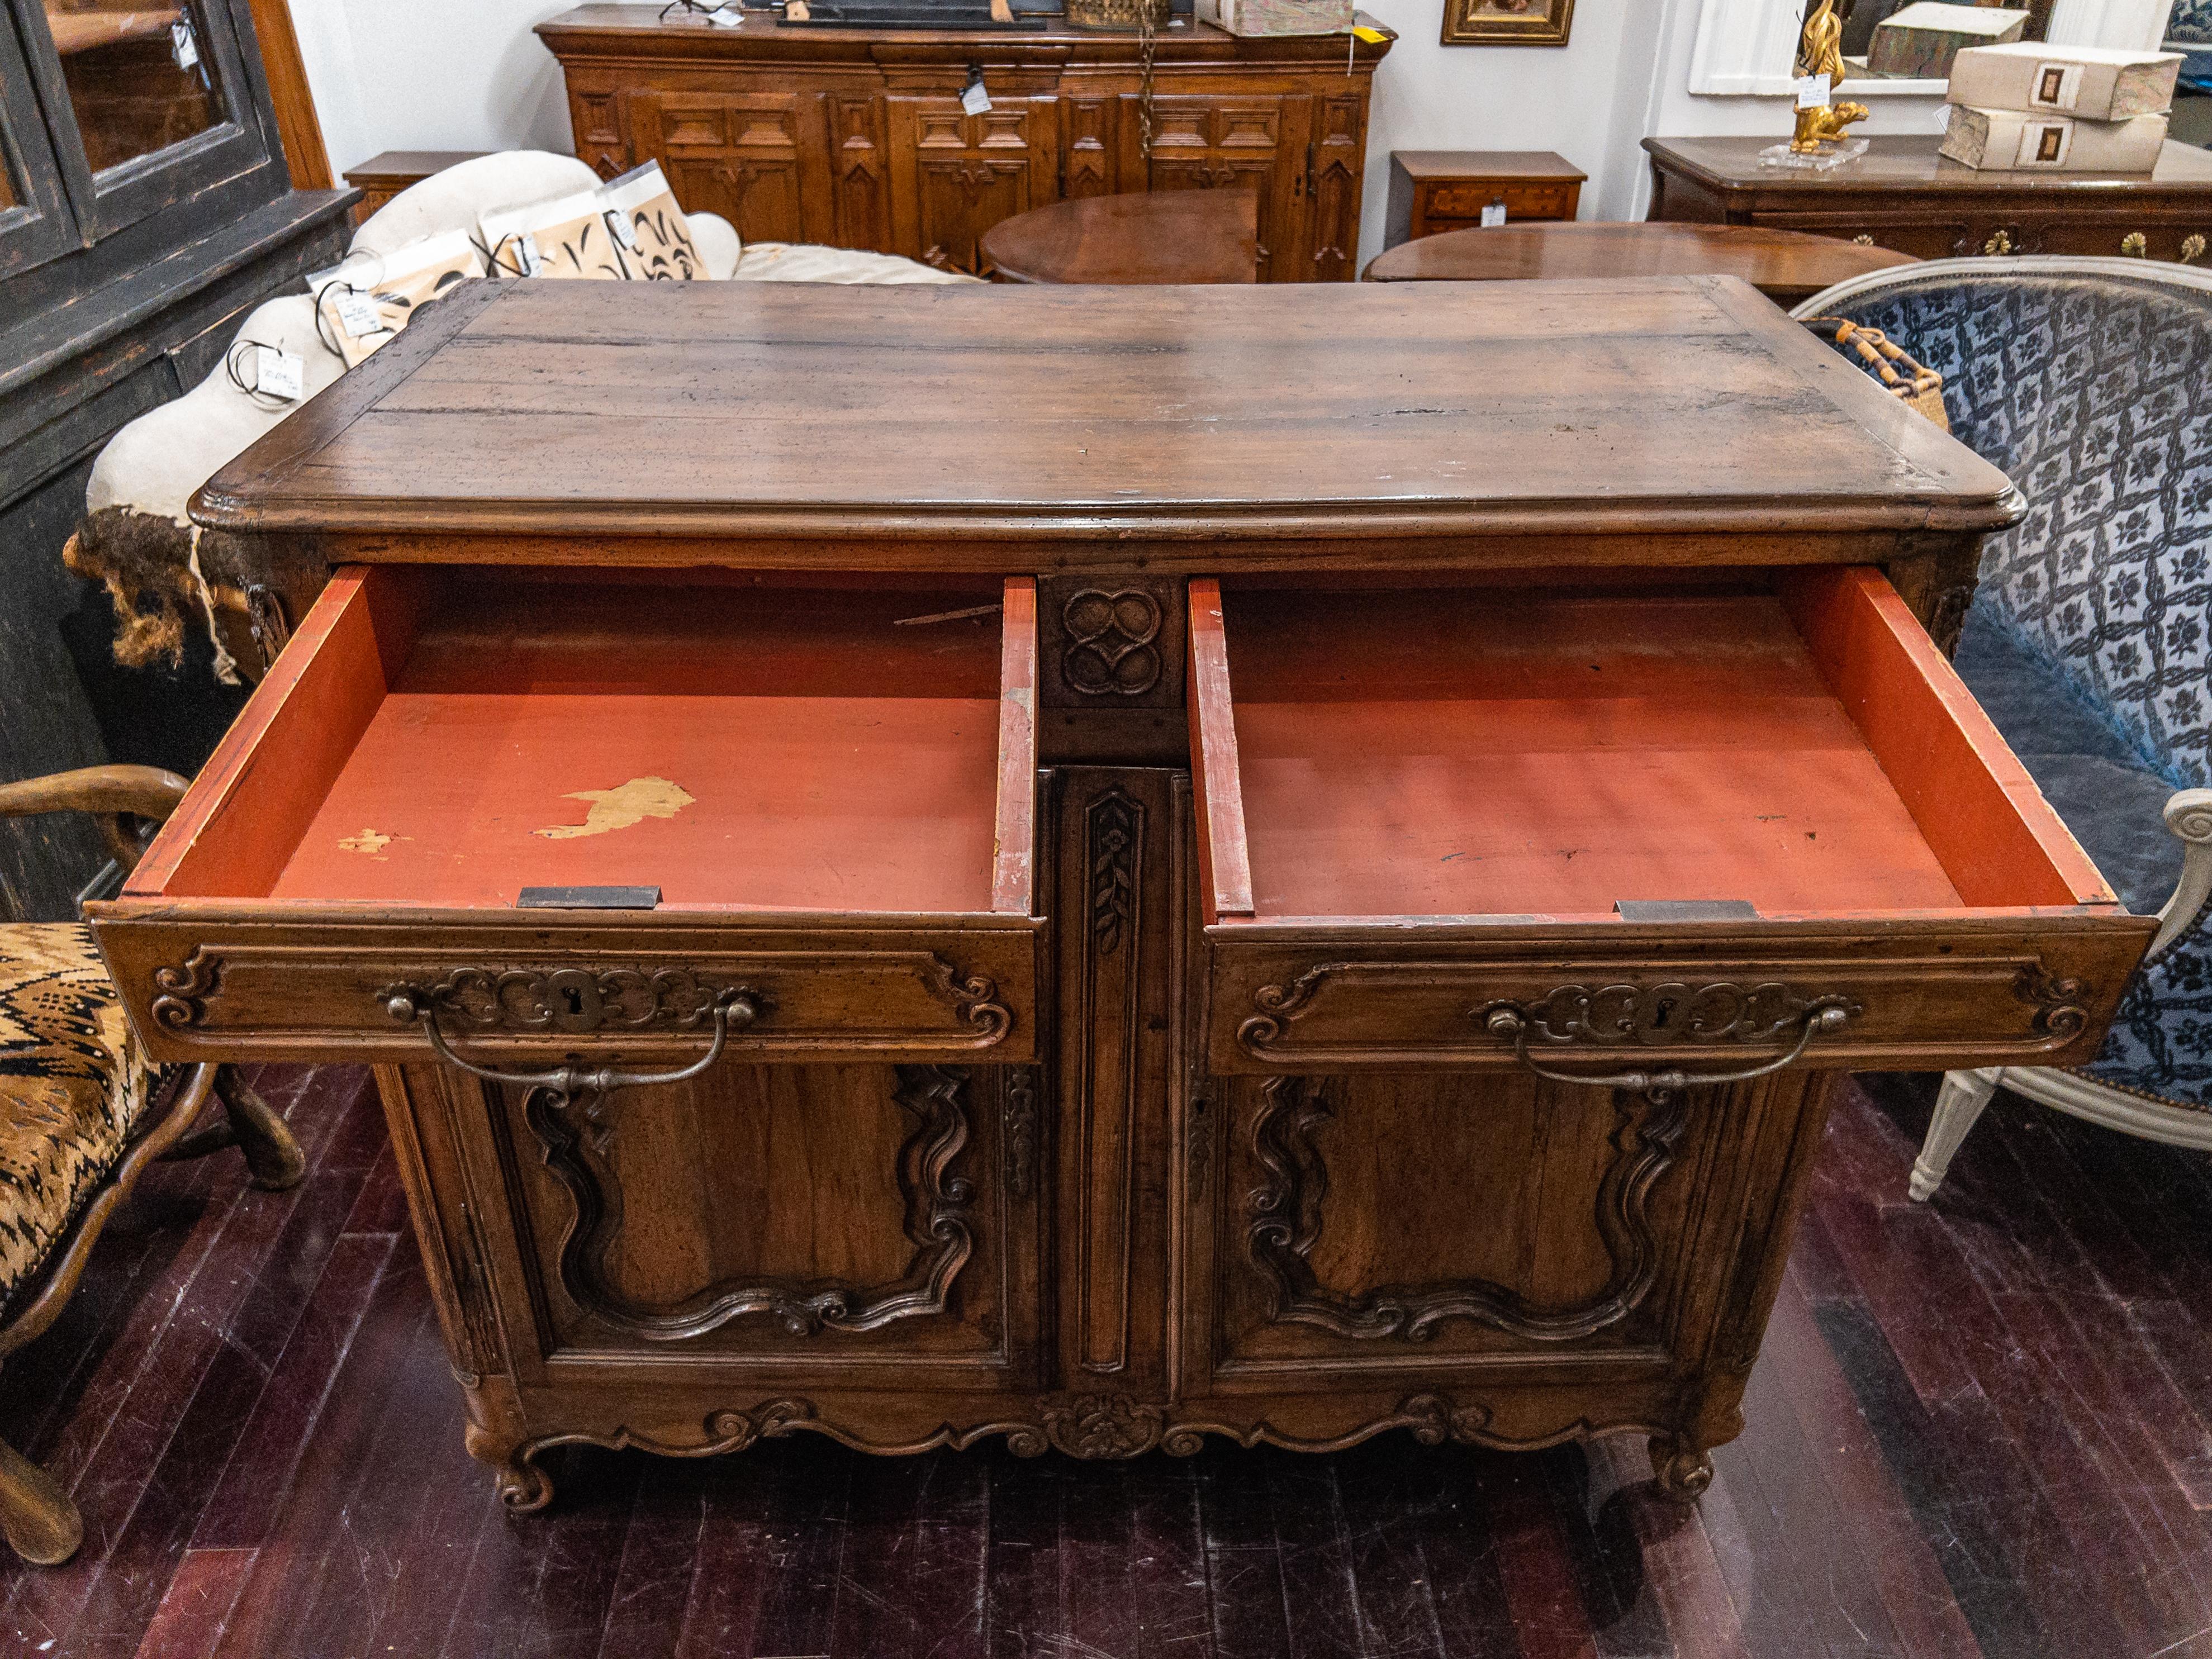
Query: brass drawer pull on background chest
[(1826, 1014), (733, 1009)]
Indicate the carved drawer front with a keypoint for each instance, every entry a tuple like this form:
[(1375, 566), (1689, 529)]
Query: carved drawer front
[(1924, 239), (1522, 201), (1649, 840), (510, 819), (825, 1218)]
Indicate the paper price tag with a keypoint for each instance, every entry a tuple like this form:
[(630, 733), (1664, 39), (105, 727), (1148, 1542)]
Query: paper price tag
[(1943, 118), (279, 373), (532, 260), (725, 17), (182, 45), (624, 231), (357, 314), (1493, 214), (974, 99), (1812, 92)]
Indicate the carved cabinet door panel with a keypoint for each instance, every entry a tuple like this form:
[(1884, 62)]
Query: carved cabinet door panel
[(830, 1220), (1254, 144), (954, 175), (735, 154), (858, 163), (1392, 1224)]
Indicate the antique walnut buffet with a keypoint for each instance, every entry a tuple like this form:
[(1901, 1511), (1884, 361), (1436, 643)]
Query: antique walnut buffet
[(1276, 863), (857, 136)]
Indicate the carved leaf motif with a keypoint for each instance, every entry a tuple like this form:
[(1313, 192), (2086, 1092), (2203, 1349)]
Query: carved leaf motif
[(1286, 1212), (1104, 1426), (1114, 827), (1021, 1129)]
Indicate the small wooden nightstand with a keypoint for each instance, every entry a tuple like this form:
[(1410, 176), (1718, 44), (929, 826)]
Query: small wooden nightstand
[(380, 177), (1434, 190)]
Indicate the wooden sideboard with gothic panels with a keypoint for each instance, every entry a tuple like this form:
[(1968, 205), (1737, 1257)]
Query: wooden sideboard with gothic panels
[(857, 137), (1273, 864)]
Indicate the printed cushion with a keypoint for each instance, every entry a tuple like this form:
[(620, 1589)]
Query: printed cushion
[(73, 1087)]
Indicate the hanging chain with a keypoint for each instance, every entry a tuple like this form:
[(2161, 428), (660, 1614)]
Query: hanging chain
[(1148, 42)]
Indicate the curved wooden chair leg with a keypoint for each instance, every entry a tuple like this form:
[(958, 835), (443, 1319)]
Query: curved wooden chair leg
[(272, 1156), (37, 1517)]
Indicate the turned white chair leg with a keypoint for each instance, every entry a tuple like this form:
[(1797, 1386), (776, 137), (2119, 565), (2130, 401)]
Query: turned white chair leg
[(1961, 1102)]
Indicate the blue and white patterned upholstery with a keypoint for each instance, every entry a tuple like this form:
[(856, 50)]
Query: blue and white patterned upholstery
[(2093, 390), (2190, 31)]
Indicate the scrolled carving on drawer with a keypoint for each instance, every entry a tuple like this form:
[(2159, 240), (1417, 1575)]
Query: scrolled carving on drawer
[(575, 1001), (2058, 1002), (1673, 1012), (183, 993)]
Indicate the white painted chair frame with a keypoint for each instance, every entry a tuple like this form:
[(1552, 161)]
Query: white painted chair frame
[(2189, 816)]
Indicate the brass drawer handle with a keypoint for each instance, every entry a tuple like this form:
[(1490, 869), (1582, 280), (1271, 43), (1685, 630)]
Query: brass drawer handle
[(2192, 249), (2000, 243), (2135, 246), (733, 1011), (1824, 1015)]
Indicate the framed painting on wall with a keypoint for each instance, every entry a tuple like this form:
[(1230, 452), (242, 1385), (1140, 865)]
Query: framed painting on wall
[(1508, 22)]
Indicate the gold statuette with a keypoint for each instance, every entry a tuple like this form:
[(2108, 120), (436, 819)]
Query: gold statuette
[(1820, 51)]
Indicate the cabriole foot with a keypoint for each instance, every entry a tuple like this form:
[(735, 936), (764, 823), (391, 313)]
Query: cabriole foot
[(37, 1517), (1681, 1471)]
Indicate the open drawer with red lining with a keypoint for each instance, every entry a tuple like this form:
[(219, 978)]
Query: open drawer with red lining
[(1694, 829), (831, 789)]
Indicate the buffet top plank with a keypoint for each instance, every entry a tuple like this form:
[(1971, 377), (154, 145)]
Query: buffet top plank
[(943, 415)]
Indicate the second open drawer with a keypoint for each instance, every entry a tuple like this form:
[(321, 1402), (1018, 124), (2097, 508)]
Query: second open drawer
[(1687, 828)]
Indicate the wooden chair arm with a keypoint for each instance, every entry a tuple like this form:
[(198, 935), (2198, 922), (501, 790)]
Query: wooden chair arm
[(109, 793), (2189, 815)]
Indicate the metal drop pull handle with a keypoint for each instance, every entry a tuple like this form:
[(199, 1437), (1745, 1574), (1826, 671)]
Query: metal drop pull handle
[(733, 1012), (1821, 1017)]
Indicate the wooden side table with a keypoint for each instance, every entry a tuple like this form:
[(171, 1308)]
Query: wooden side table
[(1785, 265), (380, 177), (1439, 190), (1902, 194)]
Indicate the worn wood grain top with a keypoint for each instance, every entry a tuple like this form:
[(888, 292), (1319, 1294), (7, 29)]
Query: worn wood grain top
[(1678, 405)]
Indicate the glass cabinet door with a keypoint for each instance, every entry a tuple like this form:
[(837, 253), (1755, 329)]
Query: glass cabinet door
[(34, 218), (148, 103), (139, 76)]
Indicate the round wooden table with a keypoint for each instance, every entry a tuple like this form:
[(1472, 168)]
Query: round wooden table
[(1785, 265), (1166, 236)]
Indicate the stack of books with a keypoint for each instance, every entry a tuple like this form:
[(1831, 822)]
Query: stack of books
[(2036, 107)]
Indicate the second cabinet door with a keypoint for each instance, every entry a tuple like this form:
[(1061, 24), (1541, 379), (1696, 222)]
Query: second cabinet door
[(734, 154), (954, 175), (1257, 144)]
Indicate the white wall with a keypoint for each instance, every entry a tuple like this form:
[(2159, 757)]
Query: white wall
[(431, 75), (1431, 96)]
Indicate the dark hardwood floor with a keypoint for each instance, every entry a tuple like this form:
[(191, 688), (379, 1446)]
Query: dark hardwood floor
[(1979, 1426)]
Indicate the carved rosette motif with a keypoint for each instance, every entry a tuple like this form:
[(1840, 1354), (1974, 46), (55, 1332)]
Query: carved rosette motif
[(1285, 1212), (1113, 642), (572, 1132)]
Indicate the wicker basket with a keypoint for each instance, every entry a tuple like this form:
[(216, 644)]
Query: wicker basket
[(1126, 16)]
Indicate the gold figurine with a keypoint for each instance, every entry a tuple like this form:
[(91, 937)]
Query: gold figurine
[(1820, 51)]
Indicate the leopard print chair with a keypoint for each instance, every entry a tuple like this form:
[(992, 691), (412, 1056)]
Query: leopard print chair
[(82, 1113)]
